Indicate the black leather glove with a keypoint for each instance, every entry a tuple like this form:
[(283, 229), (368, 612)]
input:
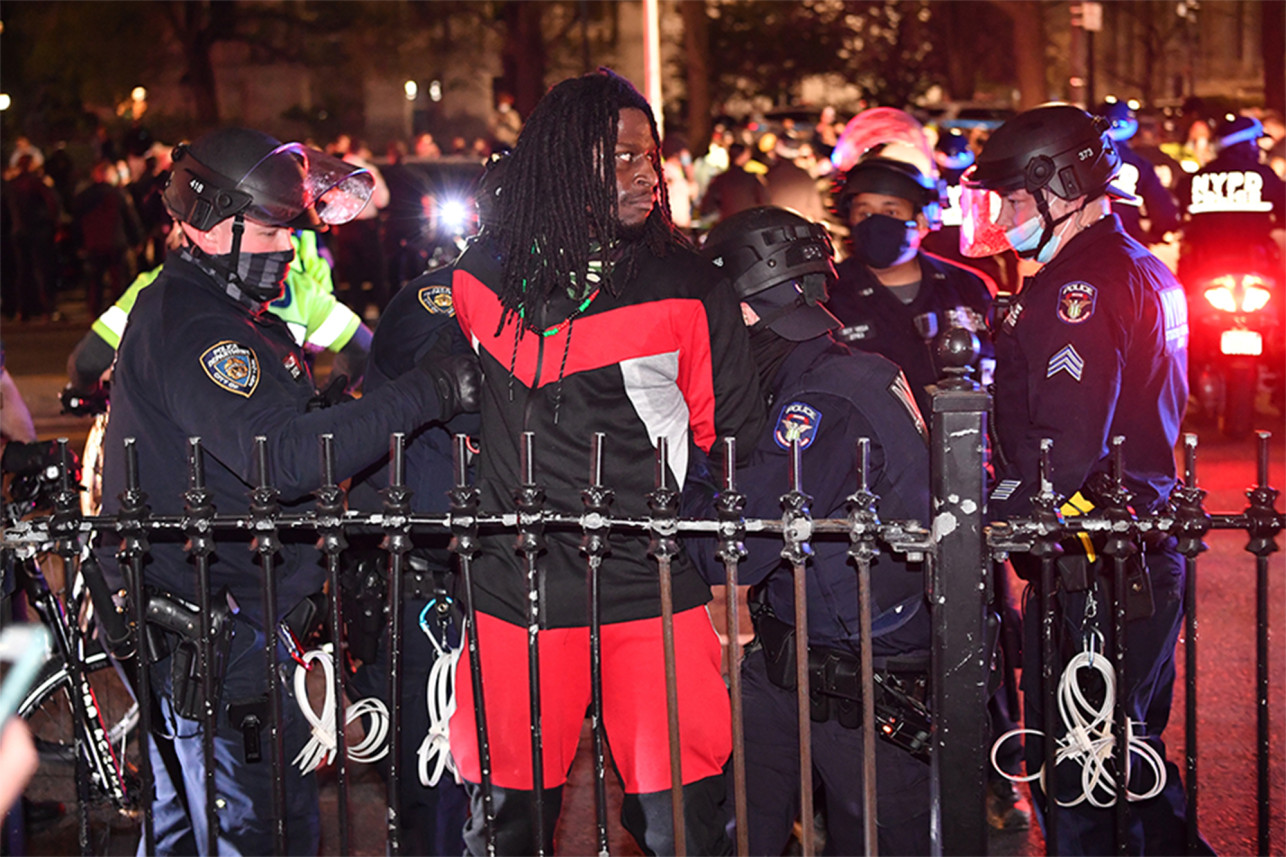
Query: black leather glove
[(332, 395), (458, 378)]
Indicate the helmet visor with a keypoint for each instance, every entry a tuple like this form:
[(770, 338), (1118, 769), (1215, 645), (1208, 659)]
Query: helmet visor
[(294, 185), (980, 233)]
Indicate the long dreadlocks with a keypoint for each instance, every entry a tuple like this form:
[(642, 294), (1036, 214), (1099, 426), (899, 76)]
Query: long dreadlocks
[(552, 201)]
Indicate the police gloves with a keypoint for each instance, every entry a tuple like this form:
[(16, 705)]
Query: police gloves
[(458, 378)]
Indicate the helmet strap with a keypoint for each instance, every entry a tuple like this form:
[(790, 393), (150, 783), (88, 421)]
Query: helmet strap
[(1051, 222), (238, 229)]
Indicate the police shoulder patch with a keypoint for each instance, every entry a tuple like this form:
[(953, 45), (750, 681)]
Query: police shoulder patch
[(797, 421), (232, 366), (437, 300), (1076, 302)]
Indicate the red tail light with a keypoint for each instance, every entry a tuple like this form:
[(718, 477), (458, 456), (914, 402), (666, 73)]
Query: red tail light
[(1238, 293)]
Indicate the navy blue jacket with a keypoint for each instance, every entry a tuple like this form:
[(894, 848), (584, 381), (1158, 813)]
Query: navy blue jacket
[(1095, 346), (830, 396), (1139, 177), (876, 320), (197, 362), (1233, 201), (418, 320)]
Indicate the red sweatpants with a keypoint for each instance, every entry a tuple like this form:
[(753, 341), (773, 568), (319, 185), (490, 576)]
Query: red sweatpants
[(634, 715)]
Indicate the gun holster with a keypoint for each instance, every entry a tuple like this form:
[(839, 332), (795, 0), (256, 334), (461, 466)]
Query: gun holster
[(174, 628), (364, 587), (778, 641)]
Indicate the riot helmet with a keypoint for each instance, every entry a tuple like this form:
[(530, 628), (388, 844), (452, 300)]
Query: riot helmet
[(780, 263), (952, 151), (1058, 147), (1236, 130), (889, 176), (1122, 118), (237, 172), (1055, 148)]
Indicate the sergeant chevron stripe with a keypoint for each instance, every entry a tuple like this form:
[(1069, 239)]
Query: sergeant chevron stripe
[(1066, 360)]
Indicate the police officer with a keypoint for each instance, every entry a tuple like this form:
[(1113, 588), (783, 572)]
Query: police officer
[(1094, 347), (203, 358), (828, 396), (1232, 204), (1138, 178), (418, 323), (892, 298), (953, 156), (307, 304)]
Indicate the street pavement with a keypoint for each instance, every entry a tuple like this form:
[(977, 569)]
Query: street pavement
[(1228, 746)]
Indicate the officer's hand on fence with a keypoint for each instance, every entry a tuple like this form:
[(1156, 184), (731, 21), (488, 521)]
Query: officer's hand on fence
[(334, 394), (458, 378)]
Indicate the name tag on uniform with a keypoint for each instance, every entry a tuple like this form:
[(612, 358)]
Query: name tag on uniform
[(292, 366), (854, 333)]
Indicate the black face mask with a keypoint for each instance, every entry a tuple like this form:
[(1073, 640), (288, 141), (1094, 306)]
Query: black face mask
[(259, 275), (880, 240), (770, 351)]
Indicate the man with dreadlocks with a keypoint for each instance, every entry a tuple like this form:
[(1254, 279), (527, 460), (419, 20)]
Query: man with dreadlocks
[(589, 313)]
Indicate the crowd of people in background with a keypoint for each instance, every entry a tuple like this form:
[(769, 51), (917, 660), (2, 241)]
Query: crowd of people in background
[(88, 225), (810, 333)]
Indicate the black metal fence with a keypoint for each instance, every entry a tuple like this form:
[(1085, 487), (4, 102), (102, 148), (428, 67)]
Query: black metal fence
[(959, 546)]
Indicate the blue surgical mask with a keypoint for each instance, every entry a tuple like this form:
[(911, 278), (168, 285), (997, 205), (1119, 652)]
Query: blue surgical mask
[(1024, 237)]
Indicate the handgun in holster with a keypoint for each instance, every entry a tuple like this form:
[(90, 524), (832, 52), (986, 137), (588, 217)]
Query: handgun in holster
[(168, 614)]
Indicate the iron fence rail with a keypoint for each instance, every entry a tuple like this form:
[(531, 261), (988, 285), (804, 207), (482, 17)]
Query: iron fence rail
[(958, 546)]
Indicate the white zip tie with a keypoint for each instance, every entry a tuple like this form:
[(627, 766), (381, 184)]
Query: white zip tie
[(435, 749), (322, 746), (439, 697), (1089, 741)]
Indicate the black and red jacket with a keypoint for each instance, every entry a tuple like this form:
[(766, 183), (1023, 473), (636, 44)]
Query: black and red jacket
[(666, 356)]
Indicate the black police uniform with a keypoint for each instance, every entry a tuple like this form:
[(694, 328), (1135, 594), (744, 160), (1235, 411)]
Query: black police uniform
[(1095, 346), (419, 320), (1139, 178), (1230, 205), (200, 360), (829, 396), (876, 320)]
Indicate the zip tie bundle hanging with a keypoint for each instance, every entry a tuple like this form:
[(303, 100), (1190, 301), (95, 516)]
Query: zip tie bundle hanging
[(1089, 741), (322, 745), (439, 692)]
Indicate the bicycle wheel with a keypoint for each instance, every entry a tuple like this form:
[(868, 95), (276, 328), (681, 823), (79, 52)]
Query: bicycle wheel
[(113, 798)]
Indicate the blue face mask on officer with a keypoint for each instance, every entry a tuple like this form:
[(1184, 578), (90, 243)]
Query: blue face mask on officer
[(880, 241), (1025, 237)]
